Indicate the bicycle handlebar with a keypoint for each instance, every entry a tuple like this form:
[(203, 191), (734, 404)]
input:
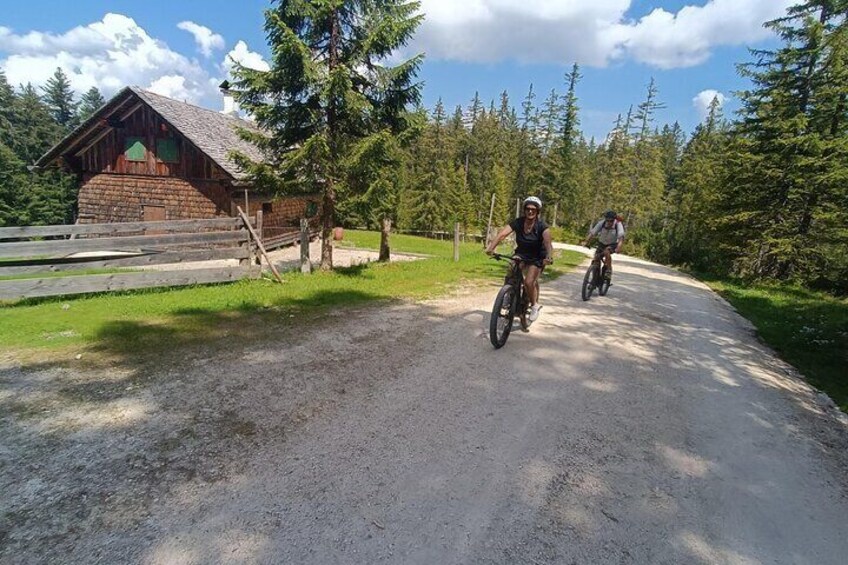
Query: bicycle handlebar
[(501, 257)]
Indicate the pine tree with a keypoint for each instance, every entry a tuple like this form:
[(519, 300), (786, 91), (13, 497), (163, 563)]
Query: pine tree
[(788, 158), (688, 234), (34, 129), (59, 97), (326, 92), (90, 102)]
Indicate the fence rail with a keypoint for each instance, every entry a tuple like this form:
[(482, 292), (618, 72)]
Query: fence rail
[(102, 247)]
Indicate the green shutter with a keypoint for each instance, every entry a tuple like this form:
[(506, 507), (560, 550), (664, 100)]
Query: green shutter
[(311, 209), (166, 150), (134, 149)]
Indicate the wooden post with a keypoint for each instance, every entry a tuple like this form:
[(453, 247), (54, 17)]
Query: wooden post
[(556, 205), (261, 247), (517, 207), (259, 231), (456, 241), (385, 231), (305, 263), (489, 224)]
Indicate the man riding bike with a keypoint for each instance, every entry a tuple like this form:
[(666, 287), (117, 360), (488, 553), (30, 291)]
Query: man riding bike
[(533, 245), (610, 235)]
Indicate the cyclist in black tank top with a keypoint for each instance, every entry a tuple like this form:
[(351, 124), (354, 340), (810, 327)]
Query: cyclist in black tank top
[(533, 245)]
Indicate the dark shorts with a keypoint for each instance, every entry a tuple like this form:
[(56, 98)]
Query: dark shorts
[(601, 247), (538, 261)]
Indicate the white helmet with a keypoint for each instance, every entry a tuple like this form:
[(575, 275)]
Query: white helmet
[(533, 200)]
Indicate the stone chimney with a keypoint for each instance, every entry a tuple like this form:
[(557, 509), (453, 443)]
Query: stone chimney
[(230, 106)]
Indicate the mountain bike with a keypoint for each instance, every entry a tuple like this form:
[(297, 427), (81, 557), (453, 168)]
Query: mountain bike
[(511, 301), (596, 278)]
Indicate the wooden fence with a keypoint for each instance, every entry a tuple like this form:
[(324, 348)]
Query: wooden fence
[(28, 253)]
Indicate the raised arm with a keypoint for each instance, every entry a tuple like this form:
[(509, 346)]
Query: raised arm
[(505, 231)]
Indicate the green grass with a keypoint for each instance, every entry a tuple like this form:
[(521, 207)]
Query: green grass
[(407, 244), (165, 319), (808, 329)]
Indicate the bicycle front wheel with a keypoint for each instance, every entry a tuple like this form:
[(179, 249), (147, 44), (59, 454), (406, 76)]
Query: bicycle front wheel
[(503, 313), (603, 288), (588, 283)]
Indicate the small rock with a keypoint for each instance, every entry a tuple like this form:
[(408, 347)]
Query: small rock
[(66, 306), (78, 356)]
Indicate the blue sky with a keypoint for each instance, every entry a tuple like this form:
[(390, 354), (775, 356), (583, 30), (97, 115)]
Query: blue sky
[(179, 48)]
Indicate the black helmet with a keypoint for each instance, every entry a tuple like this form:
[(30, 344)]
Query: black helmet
[(609, 215)]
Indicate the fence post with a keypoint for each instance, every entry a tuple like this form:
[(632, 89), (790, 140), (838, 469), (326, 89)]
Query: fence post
[(556, 205), (255, 256), (305, 263), (517, 207), (456, 241), (489, 224)]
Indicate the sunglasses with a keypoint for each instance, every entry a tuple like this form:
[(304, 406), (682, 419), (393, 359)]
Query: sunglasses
[(531, 208)]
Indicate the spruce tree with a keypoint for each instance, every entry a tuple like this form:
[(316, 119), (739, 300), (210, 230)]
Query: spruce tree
[(327, 92), (788, 158), (59, 97), (90, 102)]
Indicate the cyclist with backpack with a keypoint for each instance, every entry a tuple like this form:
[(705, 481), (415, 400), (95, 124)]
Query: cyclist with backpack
[(534, 246), (610, 235)]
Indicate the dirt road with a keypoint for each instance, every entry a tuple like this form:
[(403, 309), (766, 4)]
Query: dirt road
[(648, 426)]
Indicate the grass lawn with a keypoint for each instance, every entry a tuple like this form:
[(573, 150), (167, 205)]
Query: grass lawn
[(809, 329), (163, 319)]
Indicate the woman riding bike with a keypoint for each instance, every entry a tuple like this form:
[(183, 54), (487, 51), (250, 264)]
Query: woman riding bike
[(533, 246)]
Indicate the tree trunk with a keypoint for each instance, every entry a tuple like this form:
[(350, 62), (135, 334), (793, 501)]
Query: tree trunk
[(329, 211), (384, 239), (328, 219)]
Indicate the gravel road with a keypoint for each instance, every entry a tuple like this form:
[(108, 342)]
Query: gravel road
[(648, 426)]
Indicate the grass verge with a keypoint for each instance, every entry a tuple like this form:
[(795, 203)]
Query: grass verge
[(164, 319), (808, 329)]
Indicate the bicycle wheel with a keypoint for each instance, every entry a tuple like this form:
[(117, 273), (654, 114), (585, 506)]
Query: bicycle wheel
[(588, 283), (603, 288), (503, 313)]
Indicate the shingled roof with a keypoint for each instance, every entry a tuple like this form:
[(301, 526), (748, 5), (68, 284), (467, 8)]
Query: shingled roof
[(214, 133)]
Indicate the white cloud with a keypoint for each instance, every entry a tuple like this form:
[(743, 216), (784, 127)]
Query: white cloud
[(109, 54), (703, 100), (592, 32), (203, 36), (241, 54)]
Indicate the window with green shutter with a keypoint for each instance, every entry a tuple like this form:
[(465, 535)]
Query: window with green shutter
[(134, 149), (167, 151), (311, 209)]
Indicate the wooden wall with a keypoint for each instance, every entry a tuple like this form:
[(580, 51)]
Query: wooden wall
[(107, 154), (122, 198)]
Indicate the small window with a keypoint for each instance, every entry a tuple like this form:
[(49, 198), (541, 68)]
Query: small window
[(311, 209), (167, 151), (134, 149), (267, 207)]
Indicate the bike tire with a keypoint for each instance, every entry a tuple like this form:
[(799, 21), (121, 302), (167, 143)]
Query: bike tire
[(503, 313), (603, 288), (588, 283)]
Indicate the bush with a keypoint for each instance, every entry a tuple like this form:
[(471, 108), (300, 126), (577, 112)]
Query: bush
[(565, 235)]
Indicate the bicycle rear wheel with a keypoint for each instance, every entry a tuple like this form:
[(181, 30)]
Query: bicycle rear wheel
[(588, 283), (603, 288), (503, 313)]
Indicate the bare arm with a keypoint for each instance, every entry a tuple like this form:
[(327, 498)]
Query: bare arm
[(505, 231)]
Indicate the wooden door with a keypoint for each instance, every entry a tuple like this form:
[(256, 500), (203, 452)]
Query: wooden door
[(153, 214)]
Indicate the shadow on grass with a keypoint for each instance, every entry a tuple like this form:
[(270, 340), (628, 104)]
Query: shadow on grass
[(134, 341)]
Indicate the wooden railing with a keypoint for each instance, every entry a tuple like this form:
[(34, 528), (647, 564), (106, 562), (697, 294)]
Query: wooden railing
[(116, 246)]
